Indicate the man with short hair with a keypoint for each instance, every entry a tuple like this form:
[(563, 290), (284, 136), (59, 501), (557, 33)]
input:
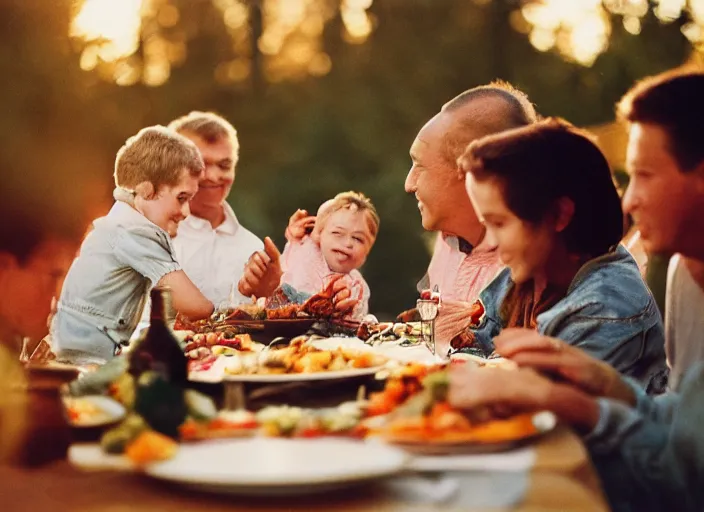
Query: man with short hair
[(211, 245), (463, 261)]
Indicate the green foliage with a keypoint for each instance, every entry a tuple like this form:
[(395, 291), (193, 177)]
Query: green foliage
[(302, 142)]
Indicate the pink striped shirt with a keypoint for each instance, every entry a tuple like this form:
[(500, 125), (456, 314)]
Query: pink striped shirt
[(459, 277)]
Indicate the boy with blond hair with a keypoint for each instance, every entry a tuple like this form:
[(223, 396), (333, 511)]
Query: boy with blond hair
[(129, 250)]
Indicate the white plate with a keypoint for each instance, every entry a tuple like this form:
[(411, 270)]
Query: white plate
[(266, 466), (112, 411), (287, 377)]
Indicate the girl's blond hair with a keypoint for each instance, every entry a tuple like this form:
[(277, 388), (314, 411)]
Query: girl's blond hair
[(350, 200)]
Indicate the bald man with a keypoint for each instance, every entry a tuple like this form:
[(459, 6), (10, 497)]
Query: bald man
[(463, 261)]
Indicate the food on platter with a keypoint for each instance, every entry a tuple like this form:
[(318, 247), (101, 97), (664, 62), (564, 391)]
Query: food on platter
[(224, 424), (425, 417), (404, 382), (387, 331), (115, 441), (278, 421), (285, 312), (90, 411), (199, 408), (150, 446), (301, 357), (200, 345)]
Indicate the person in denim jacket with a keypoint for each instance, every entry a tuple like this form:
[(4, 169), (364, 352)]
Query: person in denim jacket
[(546, 195), (649, 451), (129, 250)]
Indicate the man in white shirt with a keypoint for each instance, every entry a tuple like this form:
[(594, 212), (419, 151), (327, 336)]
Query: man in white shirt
[(211, 245), (684, 323)]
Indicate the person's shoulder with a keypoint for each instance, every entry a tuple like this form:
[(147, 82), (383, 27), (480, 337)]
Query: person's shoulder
[(612, 288)]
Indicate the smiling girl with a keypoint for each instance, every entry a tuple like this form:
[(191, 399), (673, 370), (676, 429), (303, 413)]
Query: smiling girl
[(129, 250), (547, 199), (343, 233)]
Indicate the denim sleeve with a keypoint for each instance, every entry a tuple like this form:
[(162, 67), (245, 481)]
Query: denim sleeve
[(659, 408), (653, 461), (634, 348), (146, 250)]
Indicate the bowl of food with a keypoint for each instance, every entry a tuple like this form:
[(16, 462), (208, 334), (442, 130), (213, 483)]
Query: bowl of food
[(89, 416)]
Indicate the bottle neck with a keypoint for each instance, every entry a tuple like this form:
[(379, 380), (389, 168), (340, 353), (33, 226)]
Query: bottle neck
[(161, 305)]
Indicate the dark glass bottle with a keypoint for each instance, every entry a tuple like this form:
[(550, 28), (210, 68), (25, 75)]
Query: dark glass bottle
[(158, 350), (160, 369)]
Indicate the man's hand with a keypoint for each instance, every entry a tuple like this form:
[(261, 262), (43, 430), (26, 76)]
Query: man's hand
[(507, 392), (554, 357), (299, 225), (262, 273)]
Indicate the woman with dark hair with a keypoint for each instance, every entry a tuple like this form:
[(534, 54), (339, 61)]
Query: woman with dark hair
[(546, 195)]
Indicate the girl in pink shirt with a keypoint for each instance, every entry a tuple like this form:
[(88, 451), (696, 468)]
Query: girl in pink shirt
[(336, 241)]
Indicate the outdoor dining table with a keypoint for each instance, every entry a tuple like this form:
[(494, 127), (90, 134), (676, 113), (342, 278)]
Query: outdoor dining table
[(555, 474), (561, 478)]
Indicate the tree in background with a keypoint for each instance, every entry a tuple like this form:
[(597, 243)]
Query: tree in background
[(331, 105)]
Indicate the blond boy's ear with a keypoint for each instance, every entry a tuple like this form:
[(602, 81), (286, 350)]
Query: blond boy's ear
[(145, 190)]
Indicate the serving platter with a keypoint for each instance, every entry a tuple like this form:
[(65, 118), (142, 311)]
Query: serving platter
[(472, 442), (278, 378), (278, 466)]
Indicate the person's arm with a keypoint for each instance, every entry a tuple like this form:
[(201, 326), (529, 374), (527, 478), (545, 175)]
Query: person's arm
[(186, 298), (151, 253), (647, 462), (514, 391)]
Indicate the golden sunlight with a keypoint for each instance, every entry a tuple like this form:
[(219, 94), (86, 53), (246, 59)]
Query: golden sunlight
[(580, 29), (111, 27)]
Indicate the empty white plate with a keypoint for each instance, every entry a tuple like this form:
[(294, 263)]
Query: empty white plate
[(270, 466)]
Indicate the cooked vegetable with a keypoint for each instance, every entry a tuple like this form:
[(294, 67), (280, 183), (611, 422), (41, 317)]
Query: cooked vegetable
[(200, 407), (151, 447), (115, 440)]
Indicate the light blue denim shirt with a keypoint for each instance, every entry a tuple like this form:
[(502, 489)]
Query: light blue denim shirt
[(608, 312), (651, 457), (106, 287)]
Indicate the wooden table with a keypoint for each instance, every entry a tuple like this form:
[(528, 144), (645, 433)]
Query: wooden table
[(562, 479)]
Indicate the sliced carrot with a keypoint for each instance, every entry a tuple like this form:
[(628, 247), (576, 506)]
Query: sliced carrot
[(149, 447)]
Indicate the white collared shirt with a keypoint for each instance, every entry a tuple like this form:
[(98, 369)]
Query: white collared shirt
[(214, 259)]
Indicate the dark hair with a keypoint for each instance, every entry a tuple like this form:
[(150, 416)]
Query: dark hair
[(675, 102), (513, 110), (538, 164), (27, 224)]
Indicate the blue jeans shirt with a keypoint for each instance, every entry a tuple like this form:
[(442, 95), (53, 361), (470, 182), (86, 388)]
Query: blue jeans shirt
[(608, 312)]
